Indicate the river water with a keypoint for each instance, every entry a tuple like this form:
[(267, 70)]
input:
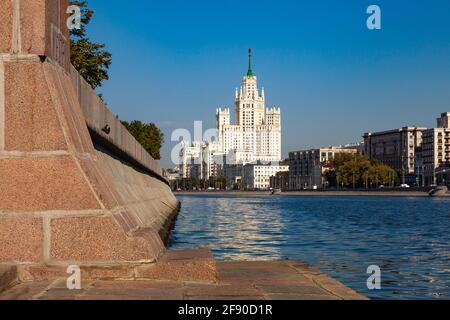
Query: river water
[(408, 238)]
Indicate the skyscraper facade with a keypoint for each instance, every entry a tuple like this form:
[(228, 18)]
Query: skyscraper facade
[(255, 134)]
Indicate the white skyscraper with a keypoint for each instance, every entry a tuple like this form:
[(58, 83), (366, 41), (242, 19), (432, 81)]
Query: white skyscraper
[(256, 132), (254, 137)]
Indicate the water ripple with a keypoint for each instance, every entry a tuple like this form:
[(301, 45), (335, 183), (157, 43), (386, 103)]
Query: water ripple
[(408, 238)]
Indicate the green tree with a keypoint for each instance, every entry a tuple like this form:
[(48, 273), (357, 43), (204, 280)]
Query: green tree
[(148, 135), (221, 183), (90, 59), (357, 170), (381, 174)]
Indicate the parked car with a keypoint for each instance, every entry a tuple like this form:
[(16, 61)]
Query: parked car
[(405, 186)]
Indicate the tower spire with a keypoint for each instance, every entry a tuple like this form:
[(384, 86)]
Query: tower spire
[(250, 72)]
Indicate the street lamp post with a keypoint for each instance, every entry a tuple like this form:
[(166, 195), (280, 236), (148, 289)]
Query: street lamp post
[(423, 176), (367, 180), (378, 184), (443, 177), (434, 174), (337, 180)]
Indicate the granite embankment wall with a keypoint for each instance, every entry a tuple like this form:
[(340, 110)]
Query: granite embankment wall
[(75, 187), (136, 176)]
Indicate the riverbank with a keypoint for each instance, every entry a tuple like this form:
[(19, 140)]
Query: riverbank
[(195, 275), (388, 193)]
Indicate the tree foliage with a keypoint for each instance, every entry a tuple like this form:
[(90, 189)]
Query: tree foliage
[(357, 170), (148, 135), (90, 59)]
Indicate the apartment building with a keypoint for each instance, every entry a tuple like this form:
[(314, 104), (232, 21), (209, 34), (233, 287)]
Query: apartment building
[(435, 155), (396, 148), (307, 167)]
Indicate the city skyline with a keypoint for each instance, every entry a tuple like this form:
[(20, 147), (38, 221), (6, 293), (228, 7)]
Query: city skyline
[(334, 78), (88, 212), (251, 137)]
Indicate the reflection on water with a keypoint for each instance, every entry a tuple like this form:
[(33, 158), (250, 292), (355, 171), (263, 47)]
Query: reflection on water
[(408, 238), (237, 230)]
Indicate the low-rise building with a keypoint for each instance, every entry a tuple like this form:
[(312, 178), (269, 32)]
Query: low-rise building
[(233, 175), (191, 160), (256, 176), (307, 167), (280, 181), (213, 160), (173, 176)]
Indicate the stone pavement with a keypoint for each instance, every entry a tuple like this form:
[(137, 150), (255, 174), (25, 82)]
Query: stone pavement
[(262, 280)]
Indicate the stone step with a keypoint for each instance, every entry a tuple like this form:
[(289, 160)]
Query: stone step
[(8, 276), (191, 265)]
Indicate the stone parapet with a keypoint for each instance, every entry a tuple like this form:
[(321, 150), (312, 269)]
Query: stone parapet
[(107, 128)]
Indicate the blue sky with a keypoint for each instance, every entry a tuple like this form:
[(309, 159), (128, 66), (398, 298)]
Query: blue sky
[(176, 61)]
